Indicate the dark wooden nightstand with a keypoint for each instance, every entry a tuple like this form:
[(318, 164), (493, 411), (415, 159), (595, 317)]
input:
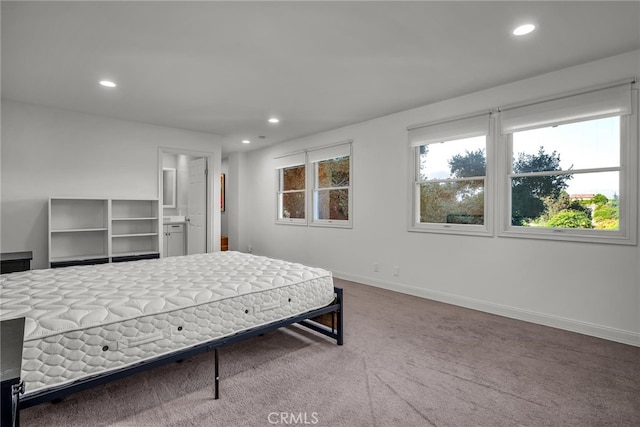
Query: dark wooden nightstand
[(10, 262)]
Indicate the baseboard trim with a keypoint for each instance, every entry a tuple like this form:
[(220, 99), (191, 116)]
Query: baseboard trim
[(599, 331)]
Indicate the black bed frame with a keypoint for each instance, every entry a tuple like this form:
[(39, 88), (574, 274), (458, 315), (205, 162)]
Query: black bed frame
[(334, 330)]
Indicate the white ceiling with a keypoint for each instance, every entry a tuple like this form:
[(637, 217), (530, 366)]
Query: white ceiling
[(225, 67)]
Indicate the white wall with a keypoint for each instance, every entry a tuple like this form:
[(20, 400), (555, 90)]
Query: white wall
[(590, 288), (238, 208), (49, 152)]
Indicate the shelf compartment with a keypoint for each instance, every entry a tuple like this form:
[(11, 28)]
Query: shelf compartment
[(78, 214), (123, 228), (133, 209), (67, 246), (134, 244)]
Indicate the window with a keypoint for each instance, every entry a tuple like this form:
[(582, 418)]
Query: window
[(331, 202), (571, 168), (331, 191), (449, 182), (292, 201), (329, 186), (292, 178)]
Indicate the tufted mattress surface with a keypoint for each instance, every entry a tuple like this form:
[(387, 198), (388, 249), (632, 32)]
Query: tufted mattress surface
[(81, 321)]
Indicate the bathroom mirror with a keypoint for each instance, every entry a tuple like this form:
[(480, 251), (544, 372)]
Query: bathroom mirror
[(168, 187)]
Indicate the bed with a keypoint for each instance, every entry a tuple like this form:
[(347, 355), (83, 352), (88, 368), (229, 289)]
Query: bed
[(87, 325)]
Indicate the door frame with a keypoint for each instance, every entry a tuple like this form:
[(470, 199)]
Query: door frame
[(212, 239)]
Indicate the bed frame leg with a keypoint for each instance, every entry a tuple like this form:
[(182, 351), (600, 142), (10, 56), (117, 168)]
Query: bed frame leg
[(340, 325), (216, 381)]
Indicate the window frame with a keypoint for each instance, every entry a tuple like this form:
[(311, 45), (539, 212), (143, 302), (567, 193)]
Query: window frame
[(314, 188), (486, 229), (628, 189), (280, 192), (310, 158)]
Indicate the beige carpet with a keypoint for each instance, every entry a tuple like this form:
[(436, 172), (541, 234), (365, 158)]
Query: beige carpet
[(406, 362)]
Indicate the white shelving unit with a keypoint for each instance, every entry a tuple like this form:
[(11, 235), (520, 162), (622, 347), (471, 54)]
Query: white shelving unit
[(135, 228), (93, 231), (78, 230)]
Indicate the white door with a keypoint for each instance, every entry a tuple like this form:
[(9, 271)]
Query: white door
[(197, 207)]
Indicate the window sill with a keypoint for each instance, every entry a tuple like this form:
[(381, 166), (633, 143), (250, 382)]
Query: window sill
[(452, 229), (571, 235), (291, 222), (331, 224)]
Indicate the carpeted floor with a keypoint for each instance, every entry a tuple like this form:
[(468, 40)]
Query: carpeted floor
[(406, 361)]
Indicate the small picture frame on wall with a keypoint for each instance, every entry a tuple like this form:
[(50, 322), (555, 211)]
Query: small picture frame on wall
[(222, 191)]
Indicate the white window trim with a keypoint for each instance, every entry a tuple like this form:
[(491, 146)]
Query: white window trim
[(313, 186), (414, 193), (627, 233), (310, 158), (292, 160)]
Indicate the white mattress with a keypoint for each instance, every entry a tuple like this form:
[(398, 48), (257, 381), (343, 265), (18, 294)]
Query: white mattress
[(81, 321)]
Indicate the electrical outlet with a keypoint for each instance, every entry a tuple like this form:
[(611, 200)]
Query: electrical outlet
[(396, 270), (376, 267)]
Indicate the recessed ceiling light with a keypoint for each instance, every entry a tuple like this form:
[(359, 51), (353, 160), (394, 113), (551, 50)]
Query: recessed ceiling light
[(274, 120), (107, 83), (246, 141), (524, 29)]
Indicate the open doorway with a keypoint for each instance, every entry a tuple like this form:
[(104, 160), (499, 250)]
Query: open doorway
[(186, 192)]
